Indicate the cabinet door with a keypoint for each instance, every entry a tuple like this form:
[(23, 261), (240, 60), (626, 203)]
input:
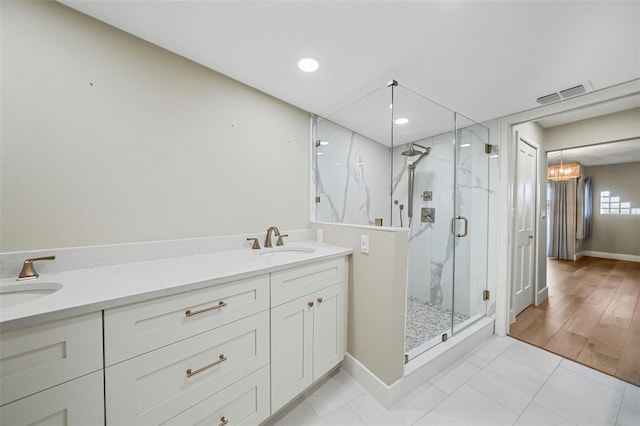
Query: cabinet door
[(78, 402), (328, 329), (291, 350)]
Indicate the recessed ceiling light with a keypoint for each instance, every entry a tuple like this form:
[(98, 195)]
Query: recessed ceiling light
[(308, 64), (401, 121)]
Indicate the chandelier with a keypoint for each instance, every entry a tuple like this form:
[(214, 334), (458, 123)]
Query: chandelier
[(563, 171)]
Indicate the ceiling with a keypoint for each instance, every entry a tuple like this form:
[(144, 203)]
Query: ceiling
[(485, 59)]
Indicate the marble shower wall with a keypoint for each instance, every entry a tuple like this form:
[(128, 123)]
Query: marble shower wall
[(352, 177), (352, 181), (430, 271)]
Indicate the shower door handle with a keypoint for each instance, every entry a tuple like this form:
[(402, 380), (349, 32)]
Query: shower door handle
[(466, 226)]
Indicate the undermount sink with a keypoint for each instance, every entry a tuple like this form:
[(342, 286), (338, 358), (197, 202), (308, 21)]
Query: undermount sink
[(13, 294), (287, 250)]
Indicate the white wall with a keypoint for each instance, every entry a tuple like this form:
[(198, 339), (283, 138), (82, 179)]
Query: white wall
[(615, 234), (607, 128), (109, 139)]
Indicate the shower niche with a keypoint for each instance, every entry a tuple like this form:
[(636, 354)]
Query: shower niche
[(400, 159)]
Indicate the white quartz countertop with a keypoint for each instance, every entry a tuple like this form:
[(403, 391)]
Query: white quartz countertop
[(94, 289)]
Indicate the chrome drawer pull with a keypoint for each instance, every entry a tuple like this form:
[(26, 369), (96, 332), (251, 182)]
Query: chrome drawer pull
[(220, 304), (223, 421), (220, 360)]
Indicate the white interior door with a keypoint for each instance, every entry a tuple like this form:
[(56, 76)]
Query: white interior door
[(525, 222)]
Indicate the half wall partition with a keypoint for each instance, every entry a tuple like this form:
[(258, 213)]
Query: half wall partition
[(400, 159)]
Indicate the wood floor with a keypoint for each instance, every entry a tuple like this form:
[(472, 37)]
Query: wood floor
[(592, 315)]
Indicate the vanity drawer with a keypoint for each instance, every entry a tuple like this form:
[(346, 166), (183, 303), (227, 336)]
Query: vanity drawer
[(75, 403), (245, 402), (39, 357), (142, 327), (293, 283), (155, 387)]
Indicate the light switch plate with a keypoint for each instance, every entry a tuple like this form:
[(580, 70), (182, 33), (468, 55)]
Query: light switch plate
[(364, 244)]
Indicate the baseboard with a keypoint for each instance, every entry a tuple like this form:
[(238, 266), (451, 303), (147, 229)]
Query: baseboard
[(378, 389), (578, 255), (542, 295), (422, 368), (616, 256)]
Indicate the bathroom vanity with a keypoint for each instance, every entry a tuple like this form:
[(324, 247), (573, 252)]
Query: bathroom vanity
[(238, 336)]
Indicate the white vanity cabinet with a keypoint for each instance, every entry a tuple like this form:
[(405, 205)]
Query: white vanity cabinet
[(52, 373), (308, 327), (177, 358), (224, 354)]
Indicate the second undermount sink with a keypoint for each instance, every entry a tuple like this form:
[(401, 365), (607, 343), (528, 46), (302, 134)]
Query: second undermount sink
[(287, 250), (13, 294)]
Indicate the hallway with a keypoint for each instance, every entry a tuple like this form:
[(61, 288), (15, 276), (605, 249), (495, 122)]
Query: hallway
[(592, 315)]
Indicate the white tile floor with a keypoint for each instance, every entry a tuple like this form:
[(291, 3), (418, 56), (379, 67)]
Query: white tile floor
[(502, 382)]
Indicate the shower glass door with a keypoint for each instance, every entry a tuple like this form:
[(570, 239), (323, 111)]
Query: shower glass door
[(448, 249), (424, 182), (470, 222)]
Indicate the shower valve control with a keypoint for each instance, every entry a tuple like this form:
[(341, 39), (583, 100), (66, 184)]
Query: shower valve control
[(428, 214)]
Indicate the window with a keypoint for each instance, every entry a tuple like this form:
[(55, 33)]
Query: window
[(610, 205)]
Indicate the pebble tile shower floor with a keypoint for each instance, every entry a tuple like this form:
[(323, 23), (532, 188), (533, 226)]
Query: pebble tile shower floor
[(426, 321)]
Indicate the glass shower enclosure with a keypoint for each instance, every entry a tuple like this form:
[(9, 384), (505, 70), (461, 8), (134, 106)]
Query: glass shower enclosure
[(397, 158)]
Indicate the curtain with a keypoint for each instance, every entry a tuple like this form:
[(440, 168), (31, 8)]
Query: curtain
[(583, 209), (562, 219), (588, 206), (580, 209)]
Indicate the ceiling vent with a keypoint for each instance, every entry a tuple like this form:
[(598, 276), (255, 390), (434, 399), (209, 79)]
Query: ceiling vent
[(562, 94), (547, 99), (573, 91)]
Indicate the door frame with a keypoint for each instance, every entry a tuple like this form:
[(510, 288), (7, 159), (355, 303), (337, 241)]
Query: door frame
[(536, 297), (507, 177)]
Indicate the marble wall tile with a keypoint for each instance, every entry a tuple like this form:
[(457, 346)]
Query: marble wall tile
[(352, 177)]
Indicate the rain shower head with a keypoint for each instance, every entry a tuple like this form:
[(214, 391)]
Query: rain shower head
[(412, 152)]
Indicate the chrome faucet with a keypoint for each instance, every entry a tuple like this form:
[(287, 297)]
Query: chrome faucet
[(276, 232), (28, 271)]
